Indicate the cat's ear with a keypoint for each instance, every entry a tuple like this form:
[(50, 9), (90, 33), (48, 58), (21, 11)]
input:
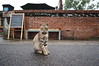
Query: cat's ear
[(47, 24)]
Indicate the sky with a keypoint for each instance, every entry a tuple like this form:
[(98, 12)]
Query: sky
[(18, 3)]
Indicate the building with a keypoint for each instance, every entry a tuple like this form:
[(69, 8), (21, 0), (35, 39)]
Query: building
[(73, 24), (1, 22)]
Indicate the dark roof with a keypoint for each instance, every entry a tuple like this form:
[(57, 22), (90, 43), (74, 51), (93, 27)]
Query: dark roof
[(9, 6), (33, 6)]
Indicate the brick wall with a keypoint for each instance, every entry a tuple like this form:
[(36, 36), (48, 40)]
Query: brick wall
[(77, 27), (71, 27)]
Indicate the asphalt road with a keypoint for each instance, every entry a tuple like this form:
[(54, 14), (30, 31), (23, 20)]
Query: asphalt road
[(63, 53)]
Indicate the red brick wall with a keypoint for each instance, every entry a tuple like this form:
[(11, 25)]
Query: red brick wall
[(71, 27)]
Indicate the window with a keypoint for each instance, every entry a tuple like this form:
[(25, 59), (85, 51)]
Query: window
[(6, 8)]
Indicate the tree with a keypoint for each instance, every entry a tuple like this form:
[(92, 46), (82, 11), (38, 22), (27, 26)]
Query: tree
[(80, 5)]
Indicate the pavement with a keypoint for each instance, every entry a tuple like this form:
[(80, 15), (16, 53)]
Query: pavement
[(62, 53)]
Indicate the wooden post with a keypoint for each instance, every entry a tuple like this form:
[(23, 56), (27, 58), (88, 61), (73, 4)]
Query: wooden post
[(22, 28), (60, 5), (9, 26), (13, 33)]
